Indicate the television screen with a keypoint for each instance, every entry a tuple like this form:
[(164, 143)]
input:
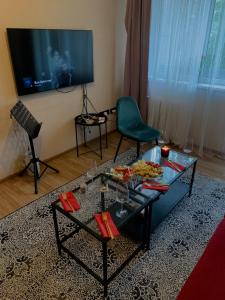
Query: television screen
[(47, 59)]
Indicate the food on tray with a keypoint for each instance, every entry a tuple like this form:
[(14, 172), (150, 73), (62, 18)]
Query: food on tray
[(123, 173), (123, 169), (147, 169)]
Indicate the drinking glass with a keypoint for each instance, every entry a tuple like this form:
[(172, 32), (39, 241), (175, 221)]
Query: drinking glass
[(90, 174), (162, 139), (121, 197), (188, 148), (133, 182)]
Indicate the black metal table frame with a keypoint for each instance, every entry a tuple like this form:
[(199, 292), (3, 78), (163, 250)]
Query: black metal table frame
[(84, 125), (105, 280), (145, 245), (150, 202)]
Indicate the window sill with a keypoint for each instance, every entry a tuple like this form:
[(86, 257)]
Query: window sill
[(215, 87), (204, 86)]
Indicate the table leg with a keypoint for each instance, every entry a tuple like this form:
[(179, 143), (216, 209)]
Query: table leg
[(36, 176), (149, 222), (56, 229), (145, 227), (100, 140), (76, 140), (106, 135), (104, 256), (103, 201), (192, 179), (85, 142)]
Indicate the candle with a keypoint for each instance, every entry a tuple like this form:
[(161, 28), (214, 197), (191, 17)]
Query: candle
[(165, 150)]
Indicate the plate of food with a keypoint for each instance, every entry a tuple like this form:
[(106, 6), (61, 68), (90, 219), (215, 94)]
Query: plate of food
[(123, 173), (147, 169)]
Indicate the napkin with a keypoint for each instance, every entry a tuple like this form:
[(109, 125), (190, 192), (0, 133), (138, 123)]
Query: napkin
[(69, 202), (155, 186), (174, 165), (102, 227)]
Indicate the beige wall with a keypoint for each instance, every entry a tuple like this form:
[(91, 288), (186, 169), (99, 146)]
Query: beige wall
[(54, 109), (120, 48)]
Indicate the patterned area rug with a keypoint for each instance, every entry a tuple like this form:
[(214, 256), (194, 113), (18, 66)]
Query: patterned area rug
[(30, 267)]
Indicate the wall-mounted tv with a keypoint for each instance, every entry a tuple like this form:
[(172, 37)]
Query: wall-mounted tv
[(47, 59)]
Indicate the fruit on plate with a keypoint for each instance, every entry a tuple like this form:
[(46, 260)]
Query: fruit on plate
[(147, 169), (151, 163)]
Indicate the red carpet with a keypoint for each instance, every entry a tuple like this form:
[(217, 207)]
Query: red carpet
[(207, 280)]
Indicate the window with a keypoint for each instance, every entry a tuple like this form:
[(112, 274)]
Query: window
[(187, 43), (213, 59)]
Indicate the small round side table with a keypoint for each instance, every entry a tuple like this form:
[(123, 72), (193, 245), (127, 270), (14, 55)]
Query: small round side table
[(90, 120)]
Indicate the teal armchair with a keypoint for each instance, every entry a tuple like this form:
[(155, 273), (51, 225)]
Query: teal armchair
[(130, 124)]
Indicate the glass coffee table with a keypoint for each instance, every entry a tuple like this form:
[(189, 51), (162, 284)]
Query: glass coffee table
[(145, 209), (94, 201), (160, 204)]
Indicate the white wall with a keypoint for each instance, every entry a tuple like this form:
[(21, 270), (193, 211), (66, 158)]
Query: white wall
[(54, 109)]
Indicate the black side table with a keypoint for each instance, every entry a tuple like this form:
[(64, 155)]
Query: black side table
[(92, 119)]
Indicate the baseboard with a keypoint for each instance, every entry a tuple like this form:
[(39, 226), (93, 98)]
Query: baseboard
[(51, 158)]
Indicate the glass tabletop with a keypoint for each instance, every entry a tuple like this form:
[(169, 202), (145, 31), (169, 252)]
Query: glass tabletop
[(169, 175), (93, 202)]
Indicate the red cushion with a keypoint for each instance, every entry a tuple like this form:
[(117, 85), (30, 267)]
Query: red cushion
[(207, 280)]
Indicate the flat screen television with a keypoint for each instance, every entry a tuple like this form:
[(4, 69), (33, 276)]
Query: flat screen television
[(47, 59)]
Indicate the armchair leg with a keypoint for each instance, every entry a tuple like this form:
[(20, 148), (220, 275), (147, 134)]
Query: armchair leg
[(157, 142), (138, 148), (118, 148)]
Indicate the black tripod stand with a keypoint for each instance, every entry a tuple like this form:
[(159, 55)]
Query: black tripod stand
[(32, 127), (86, 101), (35, 161)]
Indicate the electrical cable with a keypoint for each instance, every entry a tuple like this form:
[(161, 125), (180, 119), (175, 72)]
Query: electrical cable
[(65, 92)]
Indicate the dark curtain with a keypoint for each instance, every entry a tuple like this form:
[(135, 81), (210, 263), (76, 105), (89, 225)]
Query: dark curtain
[(137, 22)]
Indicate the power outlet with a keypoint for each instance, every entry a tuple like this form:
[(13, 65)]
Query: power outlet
[(108, 111)]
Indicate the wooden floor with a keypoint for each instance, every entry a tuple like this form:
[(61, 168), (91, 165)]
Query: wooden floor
[(17, 191)]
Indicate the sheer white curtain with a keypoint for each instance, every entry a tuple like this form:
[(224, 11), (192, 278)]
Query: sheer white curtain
[(187, 71)]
